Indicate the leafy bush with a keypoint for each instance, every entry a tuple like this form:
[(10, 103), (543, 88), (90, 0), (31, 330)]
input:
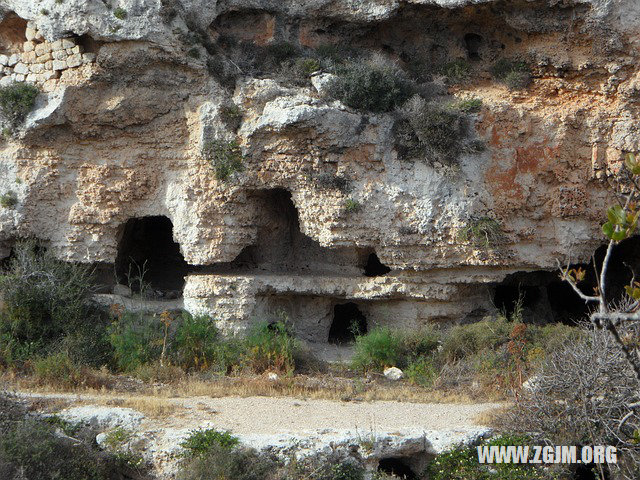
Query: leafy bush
[(422, 371), (515, 74), (482, 232), (45, 300), (225, 157), (16, 101), (8, 199), (200, 442), (231, 115), (270, 347), (298, 71), (378, 349), (281, 51), (461, 463), (31, 449), (220, 463), (136, 339), (469, 105), (56, 369), (370, 87), (346, 471), (466, 340), (429, 131), (457, 70), (195, 344)]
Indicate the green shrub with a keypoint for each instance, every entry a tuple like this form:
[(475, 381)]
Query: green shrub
[(225, 157), (56, 369), (281, 51), (370, 87), (352, 206), (120, 13), (8, 199), (422, 371), (195, 345), (270, 347), (380, 348), (346, 471), (31, 449), (482, 232), (456, 70), (220, 463), (429, 131), (45, 300), (194, 52), (16, 101), (467, 340), (461, 463), (200, 442), (515, 74), (469, 105), (136, 340), (231, 115)]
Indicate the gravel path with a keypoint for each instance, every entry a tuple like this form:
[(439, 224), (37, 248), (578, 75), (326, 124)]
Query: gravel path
[(277, 415)]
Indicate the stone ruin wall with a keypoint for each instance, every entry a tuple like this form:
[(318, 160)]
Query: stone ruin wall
[(118, 131)]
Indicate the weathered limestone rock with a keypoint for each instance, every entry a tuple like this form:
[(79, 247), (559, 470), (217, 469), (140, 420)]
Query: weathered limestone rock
[(126, 110), (393, 373)]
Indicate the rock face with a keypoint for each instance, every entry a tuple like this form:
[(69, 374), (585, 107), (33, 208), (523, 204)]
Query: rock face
[(109, 167)]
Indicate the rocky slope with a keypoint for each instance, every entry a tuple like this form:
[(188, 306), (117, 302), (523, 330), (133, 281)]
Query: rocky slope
[(132, 91)]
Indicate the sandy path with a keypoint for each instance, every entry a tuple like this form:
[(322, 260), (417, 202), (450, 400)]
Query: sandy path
[(278, 415)]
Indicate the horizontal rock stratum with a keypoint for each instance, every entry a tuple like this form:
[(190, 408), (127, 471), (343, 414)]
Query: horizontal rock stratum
[(326, 218)]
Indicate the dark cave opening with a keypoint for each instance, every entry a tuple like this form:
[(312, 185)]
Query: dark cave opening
[(545, 297), (473, 42), (147, 254), (348, 321), (396, 467), (590, 472), (280, 246), (374, 267)]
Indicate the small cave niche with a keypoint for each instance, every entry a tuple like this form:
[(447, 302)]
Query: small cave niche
[(543, 296), (590, 471), (12, 34), (146, 245), (473, 43), (374, 267), (348, 321), (397, 467), (281, 247)]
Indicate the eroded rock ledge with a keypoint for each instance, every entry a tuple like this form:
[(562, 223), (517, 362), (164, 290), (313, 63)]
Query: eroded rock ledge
[(109, 166)]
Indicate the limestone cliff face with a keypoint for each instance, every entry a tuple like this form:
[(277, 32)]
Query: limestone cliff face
[(132, 91)]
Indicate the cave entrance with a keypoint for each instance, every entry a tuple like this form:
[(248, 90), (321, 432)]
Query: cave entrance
[(542, 296), (374, 267), (148, 256), (473, 42), (348, 321), (397, 467)]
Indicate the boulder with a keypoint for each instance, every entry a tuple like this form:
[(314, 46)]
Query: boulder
[(393, 373)]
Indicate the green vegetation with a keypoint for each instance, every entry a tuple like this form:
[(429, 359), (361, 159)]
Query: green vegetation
[(270, 347), (220, 463), (120, 13), (225, 157), (457, 70), (8, 199), (482, 232), (201, 442), (195, 345), (44, 12), (352, 206), (31, 448), (429, 131), (515, 74), (231, 115), (46, 306), (461, 463), (469, 105), (380, 348), (16, 101), (370, 87), (136, 339)]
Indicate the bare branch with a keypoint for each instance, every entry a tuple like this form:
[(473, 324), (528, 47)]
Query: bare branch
[(565, 276)]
